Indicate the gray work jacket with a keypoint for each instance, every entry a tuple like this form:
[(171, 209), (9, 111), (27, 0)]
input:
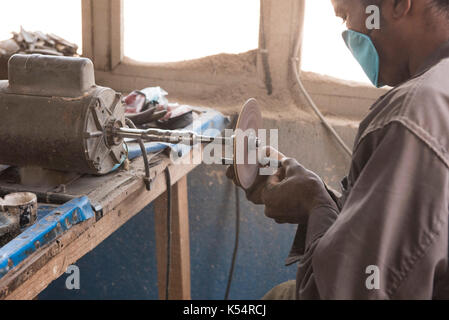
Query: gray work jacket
[(389, 239)]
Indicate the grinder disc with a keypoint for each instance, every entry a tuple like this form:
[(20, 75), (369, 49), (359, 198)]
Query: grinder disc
[(250, 119)]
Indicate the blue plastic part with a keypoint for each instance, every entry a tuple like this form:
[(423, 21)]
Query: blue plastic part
[(209, 119), (124, 157), (51, 223)]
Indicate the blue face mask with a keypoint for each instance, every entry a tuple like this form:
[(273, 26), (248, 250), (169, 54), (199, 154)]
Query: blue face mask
[(365, 53)]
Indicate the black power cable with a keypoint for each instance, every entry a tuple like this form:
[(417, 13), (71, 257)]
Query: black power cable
[(147, 179), (169, 214), (236, 243)]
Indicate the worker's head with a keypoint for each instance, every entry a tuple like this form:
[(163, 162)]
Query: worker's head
[(403, 32)]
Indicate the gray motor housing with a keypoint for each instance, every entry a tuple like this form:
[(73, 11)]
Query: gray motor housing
[(54, 116)]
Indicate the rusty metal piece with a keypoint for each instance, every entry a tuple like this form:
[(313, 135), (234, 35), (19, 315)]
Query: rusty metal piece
[(17, 211), (28, 37), (62, 45), (33, 42), (22, 205), (28, 41)]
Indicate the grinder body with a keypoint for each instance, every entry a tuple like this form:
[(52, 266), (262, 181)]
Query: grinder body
[(52, 115)]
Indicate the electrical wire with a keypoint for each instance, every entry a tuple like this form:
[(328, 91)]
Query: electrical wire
[(318, 112), (295, 67), (236, 243), (169, 230), (169, 203)]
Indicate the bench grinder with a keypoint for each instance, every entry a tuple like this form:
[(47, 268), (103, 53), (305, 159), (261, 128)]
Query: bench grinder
[(54, 116)]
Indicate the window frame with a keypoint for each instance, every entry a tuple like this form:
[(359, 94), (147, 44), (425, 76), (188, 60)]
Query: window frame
[(103, 43)]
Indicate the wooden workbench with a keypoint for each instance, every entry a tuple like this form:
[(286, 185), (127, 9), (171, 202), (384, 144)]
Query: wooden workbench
[(121, 195)]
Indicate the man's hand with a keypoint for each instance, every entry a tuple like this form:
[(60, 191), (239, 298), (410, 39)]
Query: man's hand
[(293, 192), (290, 194), (254, 193)]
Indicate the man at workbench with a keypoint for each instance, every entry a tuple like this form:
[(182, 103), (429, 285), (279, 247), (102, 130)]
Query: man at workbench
[(387, 236)]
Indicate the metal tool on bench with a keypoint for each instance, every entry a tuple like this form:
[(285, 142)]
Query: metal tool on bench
[(55, 117), (17, 210)]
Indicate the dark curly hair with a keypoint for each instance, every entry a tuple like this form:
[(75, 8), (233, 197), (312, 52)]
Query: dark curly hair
[(442, 6), (442, 3)]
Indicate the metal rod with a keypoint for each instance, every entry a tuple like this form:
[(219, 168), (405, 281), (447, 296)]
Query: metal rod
[(170, 136), (187, 138)]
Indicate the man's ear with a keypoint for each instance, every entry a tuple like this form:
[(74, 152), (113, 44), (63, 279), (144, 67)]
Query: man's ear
[(399, 8)]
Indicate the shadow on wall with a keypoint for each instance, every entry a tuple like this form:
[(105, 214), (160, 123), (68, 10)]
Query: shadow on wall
[(124, 265)]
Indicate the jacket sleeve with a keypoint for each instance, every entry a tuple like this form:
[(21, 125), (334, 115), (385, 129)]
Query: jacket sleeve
[(390, 239)]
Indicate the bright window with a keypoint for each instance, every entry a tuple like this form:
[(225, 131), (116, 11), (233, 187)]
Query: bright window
[(323, 48), (176, 30), (62, 18)]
